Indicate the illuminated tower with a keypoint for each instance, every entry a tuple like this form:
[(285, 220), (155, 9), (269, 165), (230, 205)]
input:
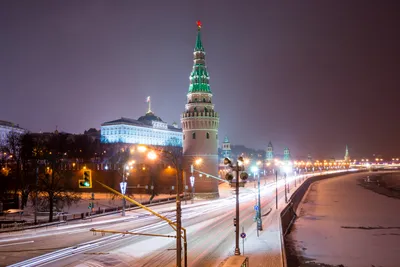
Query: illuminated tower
[(226, 148), (286, 154), (346, 155), (270, 152), (200, 125)]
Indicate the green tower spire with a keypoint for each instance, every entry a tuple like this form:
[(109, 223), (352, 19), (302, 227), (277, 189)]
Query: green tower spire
[(346, 155), (199, 78), (199, 44)]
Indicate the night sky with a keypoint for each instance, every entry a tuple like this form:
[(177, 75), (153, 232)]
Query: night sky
[(310, 75)]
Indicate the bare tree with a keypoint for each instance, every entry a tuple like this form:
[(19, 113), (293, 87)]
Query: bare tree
[(17, 148), (51, 190), (51, 180)]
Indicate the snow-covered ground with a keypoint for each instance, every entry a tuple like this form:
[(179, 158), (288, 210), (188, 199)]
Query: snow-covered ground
[(344, 224)]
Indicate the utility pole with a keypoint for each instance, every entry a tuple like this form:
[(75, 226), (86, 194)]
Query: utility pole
[(285, 190), (36, 193), (178, 217), (124, 183), (192, 180), (237, 249), (276, 189), (237, 168), (259, 221)]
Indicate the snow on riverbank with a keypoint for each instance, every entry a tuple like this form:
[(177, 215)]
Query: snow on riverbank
[(341, 222)]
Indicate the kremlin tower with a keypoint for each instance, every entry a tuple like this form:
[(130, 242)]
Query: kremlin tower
[(200, 126)]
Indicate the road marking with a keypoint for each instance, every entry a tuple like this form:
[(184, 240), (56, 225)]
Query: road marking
[(12, 244)]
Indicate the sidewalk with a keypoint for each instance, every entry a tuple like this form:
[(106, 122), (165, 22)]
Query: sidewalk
[(267, 250)]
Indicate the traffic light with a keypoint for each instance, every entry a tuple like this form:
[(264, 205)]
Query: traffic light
[(234, 221), (86, 182)]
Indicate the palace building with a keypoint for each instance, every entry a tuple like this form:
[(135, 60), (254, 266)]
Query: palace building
[(148, 130), (7, 127)]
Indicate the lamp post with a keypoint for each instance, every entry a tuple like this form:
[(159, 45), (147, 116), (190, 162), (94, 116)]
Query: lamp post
[(254, 169), (285, 189), (123, 188), (123, 184), (176, 162), (236, 168), (192, 178), (276, 189)]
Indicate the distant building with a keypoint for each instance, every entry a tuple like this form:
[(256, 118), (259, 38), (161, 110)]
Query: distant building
[(286, 154), (226, 149), (270, 152), (346, 155), (148, 130), (6, 127), (93, 133)]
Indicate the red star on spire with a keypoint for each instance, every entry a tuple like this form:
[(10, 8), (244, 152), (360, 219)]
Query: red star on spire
[(198, 24)]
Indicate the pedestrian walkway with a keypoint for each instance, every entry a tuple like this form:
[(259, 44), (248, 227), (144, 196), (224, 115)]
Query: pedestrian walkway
[(267, 249)]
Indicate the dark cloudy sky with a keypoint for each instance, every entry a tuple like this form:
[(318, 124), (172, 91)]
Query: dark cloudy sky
[(310, 75)]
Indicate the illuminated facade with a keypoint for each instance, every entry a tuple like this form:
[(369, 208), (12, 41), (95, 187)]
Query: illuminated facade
[(270, 152), (226, 148), (148, 130), (286, 154), (200, 125), (346, 155), (6, 127)]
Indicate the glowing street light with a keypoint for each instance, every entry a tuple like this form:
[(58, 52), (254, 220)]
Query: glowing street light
[(197, 162), (152, 155), (142, 148)]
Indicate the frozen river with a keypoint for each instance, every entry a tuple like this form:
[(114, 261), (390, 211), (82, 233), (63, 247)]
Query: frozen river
[(342, 223)]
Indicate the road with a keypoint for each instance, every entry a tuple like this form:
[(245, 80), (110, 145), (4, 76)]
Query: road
[(209, 225)]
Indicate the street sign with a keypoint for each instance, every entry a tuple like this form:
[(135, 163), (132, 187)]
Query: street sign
[(123, 187), (192, 180), (256, 207), (243, 235)]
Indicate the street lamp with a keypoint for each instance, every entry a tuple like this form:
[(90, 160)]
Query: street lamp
[(237, 168), (197, 162), (123, 184), (175, 159), (254, 169)]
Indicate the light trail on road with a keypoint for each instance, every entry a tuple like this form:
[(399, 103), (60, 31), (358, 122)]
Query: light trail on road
[(209, 228)]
